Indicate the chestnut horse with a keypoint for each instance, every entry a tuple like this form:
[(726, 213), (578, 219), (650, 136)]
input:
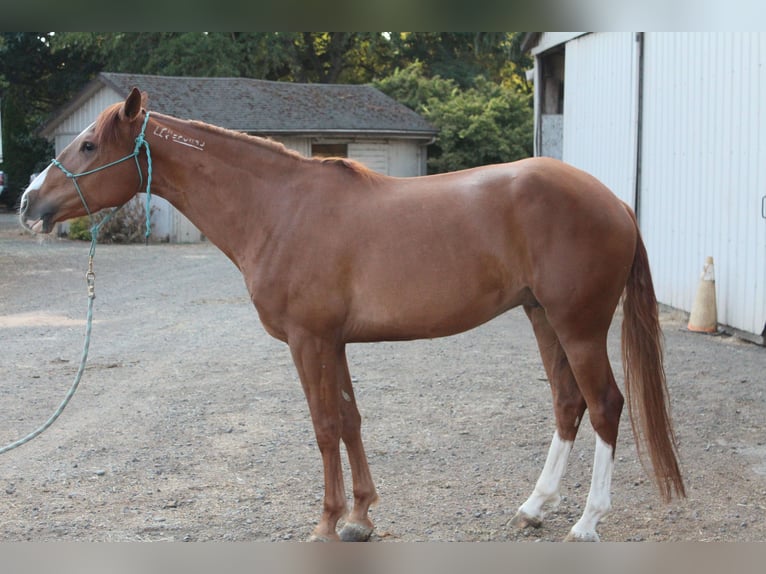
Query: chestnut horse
[(333, 253)]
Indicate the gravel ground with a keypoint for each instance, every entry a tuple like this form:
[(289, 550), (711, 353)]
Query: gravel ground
[(190, 423)]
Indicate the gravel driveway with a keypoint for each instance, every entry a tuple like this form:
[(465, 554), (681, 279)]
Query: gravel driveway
[(190, 423)]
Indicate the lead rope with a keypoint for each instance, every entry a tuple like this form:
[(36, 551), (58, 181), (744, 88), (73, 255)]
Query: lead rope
[(90, 275), (90, 278)]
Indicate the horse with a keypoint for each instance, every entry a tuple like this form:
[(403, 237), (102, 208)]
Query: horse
[(333, 253)]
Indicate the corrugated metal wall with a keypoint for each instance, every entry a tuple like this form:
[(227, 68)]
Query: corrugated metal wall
[(600, 108), (704, 169), (703, 154)]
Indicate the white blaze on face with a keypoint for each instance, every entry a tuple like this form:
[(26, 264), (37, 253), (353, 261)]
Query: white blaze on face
[(37, 182)]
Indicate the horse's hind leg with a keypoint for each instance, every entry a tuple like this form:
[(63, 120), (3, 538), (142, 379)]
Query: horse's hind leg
[(358, 527), (590, 364), (569, 406)]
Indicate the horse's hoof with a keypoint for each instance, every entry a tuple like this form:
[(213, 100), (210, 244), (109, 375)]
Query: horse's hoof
[(582, 537), (523, 520), (322, 538), (353, 532)]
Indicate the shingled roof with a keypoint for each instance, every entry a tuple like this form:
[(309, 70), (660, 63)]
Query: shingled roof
[(265, 107)]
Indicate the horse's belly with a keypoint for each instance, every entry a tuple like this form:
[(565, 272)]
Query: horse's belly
[(412, 310)]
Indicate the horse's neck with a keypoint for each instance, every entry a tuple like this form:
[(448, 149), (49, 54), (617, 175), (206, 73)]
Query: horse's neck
[(226, 184)]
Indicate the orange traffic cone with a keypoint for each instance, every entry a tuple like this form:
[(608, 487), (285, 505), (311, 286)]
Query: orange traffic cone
[(704, 315)]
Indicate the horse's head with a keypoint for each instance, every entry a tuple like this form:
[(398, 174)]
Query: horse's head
[(89, 174)]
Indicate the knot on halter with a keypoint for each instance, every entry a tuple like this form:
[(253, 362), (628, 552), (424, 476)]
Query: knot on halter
[(140, 142)]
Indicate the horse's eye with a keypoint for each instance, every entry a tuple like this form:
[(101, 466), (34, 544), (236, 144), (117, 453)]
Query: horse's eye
[(88, 146)]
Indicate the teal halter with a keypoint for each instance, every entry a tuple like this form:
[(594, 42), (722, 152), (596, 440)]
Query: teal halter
[(140, 141)]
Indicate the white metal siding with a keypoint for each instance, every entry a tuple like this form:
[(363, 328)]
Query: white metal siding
[(393, 157), (405, 158), (703, 169), (183, 230), (83, 116), (372, 154), (550, 40), (600, 108), (299, 144)]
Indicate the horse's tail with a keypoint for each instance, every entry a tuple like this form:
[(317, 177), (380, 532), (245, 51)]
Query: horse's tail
[(645, 386)]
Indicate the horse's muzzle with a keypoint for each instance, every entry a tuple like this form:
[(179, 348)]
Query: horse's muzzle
[(32, 218)]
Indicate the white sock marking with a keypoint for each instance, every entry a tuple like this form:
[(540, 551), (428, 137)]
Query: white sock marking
[(599, 497), (547, 486)]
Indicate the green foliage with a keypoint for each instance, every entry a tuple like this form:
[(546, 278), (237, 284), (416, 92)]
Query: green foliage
[(483, 124), (33, 81), (79, 229), (324, 57), (459, 56), (413, 88)]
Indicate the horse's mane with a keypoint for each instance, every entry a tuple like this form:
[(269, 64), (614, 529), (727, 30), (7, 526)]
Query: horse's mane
[(261, 141), (107, 122), (351, 165)]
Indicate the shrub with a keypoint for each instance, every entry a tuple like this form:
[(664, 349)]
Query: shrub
[(128, 225)]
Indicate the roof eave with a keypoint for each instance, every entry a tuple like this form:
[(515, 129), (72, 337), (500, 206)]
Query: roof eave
[(368, 134), (91, 88), (529, 41)]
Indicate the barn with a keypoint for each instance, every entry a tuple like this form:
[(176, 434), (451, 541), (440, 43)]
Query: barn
[(354, 121), (674, 124)]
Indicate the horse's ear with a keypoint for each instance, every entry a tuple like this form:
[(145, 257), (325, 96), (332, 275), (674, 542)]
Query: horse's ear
[(133, 103)]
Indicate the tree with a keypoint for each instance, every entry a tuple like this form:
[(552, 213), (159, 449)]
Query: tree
[(412, 87), (487, 123), (320, 57), (174, 54), (342, 57), (33, 80), (461, 56)]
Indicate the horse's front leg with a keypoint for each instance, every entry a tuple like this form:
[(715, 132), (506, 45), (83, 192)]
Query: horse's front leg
[(317, 362)]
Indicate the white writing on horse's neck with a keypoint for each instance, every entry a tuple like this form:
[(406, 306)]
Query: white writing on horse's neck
[(170, 135)]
